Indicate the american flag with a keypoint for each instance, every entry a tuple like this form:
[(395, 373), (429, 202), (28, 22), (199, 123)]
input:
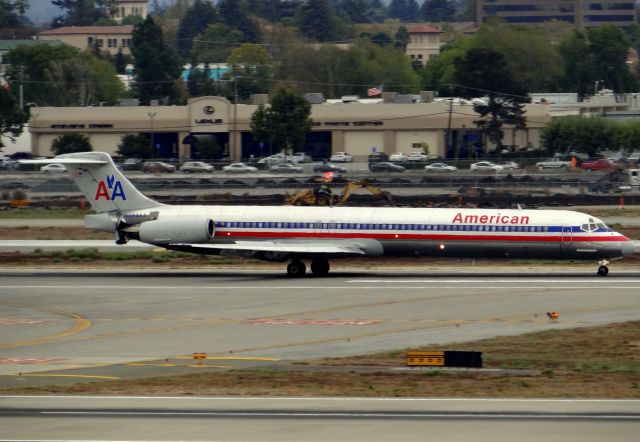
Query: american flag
[(373, 91)]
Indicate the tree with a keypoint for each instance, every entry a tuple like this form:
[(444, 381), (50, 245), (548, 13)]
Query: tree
[(135, 146), (437, 10), (610, 48), (215, 44), (196, 20), (11, 12), (61, 76), (251, 68), (439, 72), (579, 69), (157, 66), (286, 121), (70, 143), (317, 20), (356, 10), (336, 72), (580, 134), (401, 38), (522, 48), (484, 73), (201, 84), (82, 12), (235, 14), (12, 118)]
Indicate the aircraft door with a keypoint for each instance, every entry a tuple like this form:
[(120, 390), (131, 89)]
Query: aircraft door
[(567, 240)]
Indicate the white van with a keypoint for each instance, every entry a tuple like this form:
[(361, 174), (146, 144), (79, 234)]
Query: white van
[(634, 177)]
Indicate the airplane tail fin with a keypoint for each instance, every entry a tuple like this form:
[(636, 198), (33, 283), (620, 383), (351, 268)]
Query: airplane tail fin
[(102, 184)]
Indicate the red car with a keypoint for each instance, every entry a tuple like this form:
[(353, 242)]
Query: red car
[(601, 164)]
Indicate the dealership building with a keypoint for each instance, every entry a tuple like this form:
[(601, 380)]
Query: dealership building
[(358, 127)]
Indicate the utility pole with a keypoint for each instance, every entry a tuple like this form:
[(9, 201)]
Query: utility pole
[(151, 117), (448, 141)]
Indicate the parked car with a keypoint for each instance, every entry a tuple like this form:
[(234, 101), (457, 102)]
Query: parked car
[(196, 167), (158, 167), (286, 168), (386, 166), (439, 167), (376, 157), (509, 165), (486, 166), (239, 168), (601, 164), (327, 167), (132, 164), (341, 157), (398, 156), (553, 163), (273, 159), (301, 157), (53, 168), (417, 157)]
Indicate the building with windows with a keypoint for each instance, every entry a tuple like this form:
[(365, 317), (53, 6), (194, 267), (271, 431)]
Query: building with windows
[(126, 8), (358, 128), (581, 13), (109, 38), (425, 42)]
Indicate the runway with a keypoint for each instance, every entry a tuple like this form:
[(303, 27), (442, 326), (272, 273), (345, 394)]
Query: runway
[(58, 327), (49, 418)]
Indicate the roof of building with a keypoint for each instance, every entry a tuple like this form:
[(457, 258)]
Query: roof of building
[(69, 30), (422, 28)]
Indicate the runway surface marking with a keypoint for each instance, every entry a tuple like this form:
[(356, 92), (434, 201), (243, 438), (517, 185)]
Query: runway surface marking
[(315, 399), (80, 324), (21, 321), (311, 322), (28, 360), (356, 415), (57, 375)]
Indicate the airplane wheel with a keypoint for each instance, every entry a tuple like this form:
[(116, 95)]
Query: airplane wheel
[(603, 270), (320, 267), (296, 269)]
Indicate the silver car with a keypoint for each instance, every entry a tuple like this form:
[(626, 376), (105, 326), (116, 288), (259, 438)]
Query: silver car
[(486, 166), (239, 168)]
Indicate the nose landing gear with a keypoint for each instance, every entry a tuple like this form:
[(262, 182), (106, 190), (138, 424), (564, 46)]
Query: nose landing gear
[(603, 270)]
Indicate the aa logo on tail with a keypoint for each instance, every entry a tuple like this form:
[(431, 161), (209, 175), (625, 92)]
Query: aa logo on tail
[(110, 190)]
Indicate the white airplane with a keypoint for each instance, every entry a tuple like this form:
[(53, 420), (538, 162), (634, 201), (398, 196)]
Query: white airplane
[(318, 234)]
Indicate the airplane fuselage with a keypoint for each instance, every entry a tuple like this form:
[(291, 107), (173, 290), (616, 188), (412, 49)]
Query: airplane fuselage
[(414, 232)]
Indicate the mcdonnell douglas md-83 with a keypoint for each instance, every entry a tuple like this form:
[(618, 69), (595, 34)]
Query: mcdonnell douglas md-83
[(318, 234)]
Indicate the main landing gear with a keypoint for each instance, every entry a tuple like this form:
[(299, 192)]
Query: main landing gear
[(297, 269), (603, 270)]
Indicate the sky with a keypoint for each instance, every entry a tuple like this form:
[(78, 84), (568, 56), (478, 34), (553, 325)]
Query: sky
[(41, 11)]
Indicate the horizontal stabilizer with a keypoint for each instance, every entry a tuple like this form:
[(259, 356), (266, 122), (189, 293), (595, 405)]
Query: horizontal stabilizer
[(69, 161)]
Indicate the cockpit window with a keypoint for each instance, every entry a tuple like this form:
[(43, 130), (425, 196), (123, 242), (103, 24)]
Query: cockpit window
[(593, 225)]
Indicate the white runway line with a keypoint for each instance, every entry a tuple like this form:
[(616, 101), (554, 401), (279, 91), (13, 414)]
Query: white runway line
[(342, 287)]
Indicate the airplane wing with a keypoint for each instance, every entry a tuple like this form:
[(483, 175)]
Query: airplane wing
[(273, 248)]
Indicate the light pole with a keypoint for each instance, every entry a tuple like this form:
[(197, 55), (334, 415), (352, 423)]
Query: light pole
[(151, 117), (232, 146)]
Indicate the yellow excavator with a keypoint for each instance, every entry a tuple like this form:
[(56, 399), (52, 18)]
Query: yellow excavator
[(323, 197)]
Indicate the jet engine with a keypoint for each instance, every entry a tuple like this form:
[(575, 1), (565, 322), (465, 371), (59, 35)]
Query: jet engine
[(171, 231)]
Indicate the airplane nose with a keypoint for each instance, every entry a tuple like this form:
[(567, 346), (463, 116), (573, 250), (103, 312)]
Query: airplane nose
[(629, 247)]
